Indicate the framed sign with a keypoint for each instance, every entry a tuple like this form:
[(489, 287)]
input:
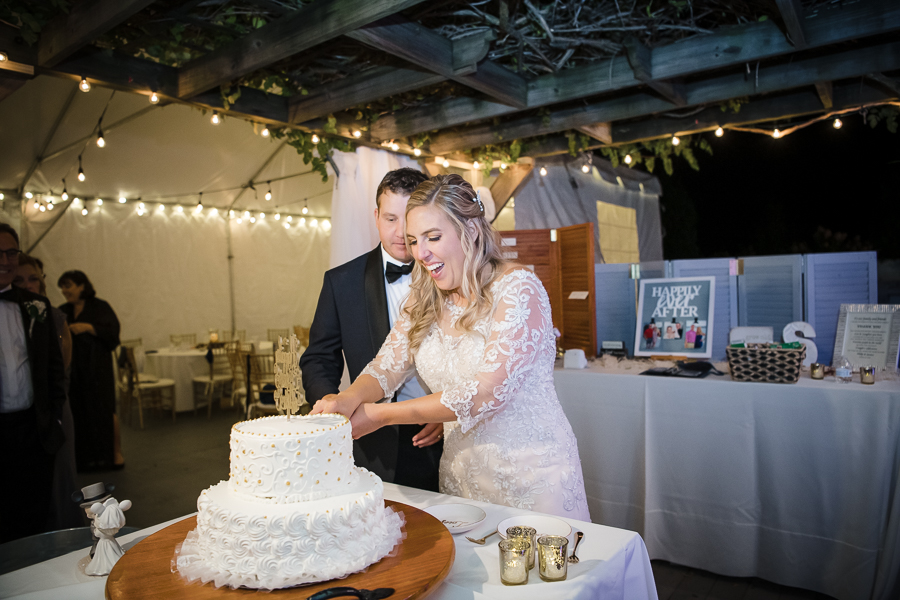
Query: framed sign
[(868, 335), (675, 317)]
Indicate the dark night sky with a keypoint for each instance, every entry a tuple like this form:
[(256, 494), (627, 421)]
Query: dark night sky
[(758, 196)]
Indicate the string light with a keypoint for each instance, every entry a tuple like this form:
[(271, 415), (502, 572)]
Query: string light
[(585, 168), (395, 147), (29, 195), (84, 86), (214, 211), (417, 152), (502, 166), (161, 207), (246, 214), (253, 219), (2, 196), (357, 133), (287, 225), (99, 201), (81, 176), (302, 222), (239, 220), (277, 216), (199, 208), (179, 209), (314, 223), (720, 132), (214, 119), (262, 216), (122, 200), (50, 205), (628, 159), (40, 207), (84, 211), (289, 218), (269, 193), (3, 58), (326, 225), (65, 193), (675, 140), (475, 164), (776, 134), (100, 141), (265, 131), (838, 124), (154, 98), (315, 139), (543, 171), (305, 208), (230, 214), (446, 163)]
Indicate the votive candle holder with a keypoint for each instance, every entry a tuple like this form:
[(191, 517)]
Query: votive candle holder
[(552, 558), (525, 533), (514, 561), (817, 371), (867, 375)]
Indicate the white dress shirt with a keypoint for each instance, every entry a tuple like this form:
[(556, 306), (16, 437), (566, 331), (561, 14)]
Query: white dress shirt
[(397, 293), (15, 371)]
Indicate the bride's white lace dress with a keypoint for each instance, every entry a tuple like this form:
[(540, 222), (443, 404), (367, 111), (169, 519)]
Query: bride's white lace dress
[(511, 443)]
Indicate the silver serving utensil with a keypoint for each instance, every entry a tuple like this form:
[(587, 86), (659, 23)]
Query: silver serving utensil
[(578, 537), (480, 541)]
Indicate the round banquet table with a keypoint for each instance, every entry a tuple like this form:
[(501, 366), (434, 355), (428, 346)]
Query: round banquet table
[(181, 366)]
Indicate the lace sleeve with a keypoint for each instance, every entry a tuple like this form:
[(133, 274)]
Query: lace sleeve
[(519, 328), (393, 365)]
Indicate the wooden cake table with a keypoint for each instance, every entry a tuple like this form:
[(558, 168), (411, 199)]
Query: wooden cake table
[(422, 561)]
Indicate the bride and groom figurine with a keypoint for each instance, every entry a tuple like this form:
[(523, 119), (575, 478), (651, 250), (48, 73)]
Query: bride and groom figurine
[(107, 518)]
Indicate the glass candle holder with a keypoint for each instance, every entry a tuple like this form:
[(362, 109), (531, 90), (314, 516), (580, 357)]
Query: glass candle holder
[(527, 534), (867, 375), (514, 561), (552, 559), (817, 371)]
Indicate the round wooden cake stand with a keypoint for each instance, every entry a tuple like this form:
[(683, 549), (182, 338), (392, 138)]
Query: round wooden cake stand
[(422, 561)]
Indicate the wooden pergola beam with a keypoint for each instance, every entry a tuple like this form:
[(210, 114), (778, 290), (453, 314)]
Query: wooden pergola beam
[(640, 59), (311, 25), (456, 60), (734, 46), (510, 181), (792, 15), (804, 72), (892, 84), (86, 20), (825, 91)]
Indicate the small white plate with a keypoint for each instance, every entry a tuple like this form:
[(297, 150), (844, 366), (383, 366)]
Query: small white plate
[(543, 525), (457, 518)]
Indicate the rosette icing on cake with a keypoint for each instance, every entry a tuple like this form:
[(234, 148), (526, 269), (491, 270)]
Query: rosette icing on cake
[(294, 510)]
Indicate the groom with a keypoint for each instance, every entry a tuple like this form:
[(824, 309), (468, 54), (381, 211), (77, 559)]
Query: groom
[(358, 304), (32, 394)]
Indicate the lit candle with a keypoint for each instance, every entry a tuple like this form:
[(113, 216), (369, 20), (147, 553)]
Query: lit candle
[(513, 562)]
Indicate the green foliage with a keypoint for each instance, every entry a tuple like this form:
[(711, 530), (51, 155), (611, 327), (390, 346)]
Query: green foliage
[(313, 154), (507, 153), (31, 17), (734, 104), (647, 153), (578, 142), (888, 114)]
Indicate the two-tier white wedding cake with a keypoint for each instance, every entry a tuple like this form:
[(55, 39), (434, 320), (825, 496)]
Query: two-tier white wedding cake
[(294, 510)]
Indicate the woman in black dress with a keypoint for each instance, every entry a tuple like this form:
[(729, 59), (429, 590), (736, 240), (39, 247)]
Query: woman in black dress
[(92, 387)]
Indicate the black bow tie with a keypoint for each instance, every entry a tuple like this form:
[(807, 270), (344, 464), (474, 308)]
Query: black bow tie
[(393, 272)]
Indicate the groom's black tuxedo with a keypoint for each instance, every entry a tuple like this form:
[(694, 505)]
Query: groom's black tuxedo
[(352, 321)]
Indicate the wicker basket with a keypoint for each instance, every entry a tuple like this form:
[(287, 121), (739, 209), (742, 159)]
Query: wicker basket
[(768, 365)]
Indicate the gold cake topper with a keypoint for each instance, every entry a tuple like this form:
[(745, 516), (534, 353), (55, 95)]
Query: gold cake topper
[(288, 383)]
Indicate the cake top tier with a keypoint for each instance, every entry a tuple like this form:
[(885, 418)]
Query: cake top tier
[(281, 426)]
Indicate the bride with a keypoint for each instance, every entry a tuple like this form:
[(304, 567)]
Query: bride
[(479, 332)]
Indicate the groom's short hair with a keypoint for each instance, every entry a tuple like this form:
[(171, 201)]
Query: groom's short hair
[(401, 181), (7, 228)]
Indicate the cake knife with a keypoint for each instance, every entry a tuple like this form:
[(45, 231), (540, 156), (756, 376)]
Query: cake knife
[(338, 592)]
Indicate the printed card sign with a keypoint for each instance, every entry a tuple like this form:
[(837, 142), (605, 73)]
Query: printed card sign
[(675, 317)]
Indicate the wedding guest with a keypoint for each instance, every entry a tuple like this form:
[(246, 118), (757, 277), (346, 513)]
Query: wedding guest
[(345, 326), (479, 331), (32, 394), (92, 387), (64, 514)]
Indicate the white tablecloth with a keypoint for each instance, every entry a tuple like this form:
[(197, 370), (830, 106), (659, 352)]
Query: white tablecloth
[(614, 564), (797, 484), (181, 366)]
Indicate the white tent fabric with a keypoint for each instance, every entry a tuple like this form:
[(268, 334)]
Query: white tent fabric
[(567, 196), (353, 199)]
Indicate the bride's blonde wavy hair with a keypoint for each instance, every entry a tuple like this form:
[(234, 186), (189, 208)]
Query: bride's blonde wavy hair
[(483, 262)]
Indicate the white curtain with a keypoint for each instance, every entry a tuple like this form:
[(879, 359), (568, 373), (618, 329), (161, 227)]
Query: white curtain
[(353, 200)]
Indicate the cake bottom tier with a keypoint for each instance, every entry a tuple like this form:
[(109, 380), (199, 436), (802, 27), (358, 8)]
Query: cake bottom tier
[(239, 543)]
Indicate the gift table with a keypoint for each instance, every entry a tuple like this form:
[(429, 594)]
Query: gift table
[(614, 564), (794, 483)]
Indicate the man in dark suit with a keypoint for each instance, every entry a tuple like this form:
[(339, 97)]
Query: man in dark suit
[(32, 394), (358, 304)]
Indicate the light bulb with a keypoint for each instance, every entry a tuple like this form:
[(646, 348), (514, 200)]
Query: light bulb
[(675, 140), (2, 196), (585, 168), (287, 225), (446, 163), (395, 147), (268, 195), (253, 219), (214, 211), (838, 124), (239, 220), (179, 209), (42, 208), (265, 131), (49, 206), (302, 221), (81, 176), (84, 211), (154, 99), (230, 214), (214, 119), (417, 152), (543, 171), (99, 201), (627, 159), (100, 141), (502, 166), (326, 225), (277, 216), (314, 223), (475, 164), (36, 204), (161, 207), (199, 207), (776, 134), (64, 195), (121, 199), (141, 206), (29, 195), (720, 132), (4, 57), (84, 86), (290, 218), (315, 139), (262, 215), (246, 214), (357, 133), (304, 210)]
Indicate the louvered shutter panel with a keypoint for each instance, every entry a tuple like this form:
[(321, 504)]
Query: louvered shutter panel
[(615, 304), (770, 292), (726, 315), (834, 279)]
